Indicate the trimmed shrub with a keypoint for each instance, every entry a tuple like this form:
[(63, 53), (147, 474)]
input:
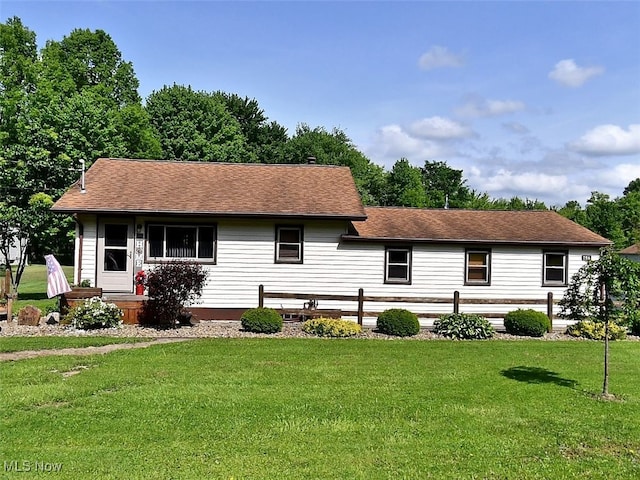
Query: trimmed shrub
[(94, 313), (595, 330), (261, 320), (172, 286), (398, 322), (463, 326), (529, 323), (331, 327)]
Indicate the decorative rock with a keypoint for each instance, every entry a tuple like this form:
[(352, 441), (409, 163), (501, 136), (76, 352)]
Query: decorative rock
[(29, 315), (53, 318)]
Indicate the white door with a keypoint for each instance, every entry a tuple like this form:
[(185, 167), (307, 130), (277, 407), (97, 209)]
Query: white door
[(115, 256)]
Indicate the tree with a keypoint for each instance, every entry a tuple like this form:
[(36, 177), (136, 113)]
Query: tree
[(22, 227), (266, 140), (605, 290), (196, 126), (404, 186), (444, 186), (604, 218)]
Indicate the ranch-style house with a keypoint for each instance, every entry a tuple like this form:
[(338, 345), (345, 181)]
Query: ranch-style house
[(302, 229)]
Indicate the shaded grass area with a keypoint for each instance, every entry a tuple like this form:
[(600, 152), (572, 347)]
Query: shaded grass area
[(17, 344), (33, 288), (313, 408)]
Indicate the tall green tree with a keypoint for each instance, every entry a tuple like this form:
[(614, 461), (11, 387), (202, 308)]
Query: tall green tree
[(444, 186), (265, 140), (196, 126), (405, 187)]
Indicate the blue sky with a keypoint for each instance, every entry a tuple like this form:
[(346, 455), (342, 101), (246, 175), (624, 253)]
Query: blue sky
[(536, 99)]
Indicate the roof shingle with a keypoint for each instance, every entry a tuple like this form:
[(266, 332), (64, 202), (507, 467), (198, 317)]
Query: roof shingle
[(203, 188), (473, 226)]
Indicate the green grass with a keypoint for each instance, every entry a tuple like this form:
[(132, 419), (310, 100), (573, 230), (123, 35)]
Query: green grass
[(313, 408), (33, 288), (16, 344)]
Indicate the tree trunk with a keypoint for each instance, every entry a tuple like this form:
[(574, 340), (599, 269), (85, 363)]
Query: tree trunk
[(605, 383)]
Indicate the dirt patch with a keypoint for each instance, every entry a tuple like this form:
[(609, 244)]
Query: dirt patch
[(24, 354)]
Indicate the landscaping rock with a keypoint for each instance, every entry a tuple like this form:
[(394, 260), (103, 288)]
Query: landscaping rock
[(53, 318), (29, 315)]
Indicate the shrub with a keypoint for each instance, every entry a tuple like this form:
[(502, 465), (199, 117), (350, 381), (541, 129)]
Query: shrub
[(94, 313), (528, 322), (595, 330), (261, 320), (463, 326), (171, 287), (331, 327), (635, 327), (398, 322)]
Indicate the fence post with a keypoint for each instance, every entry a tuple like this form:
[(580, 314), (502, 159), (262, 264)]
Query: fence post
[(261, 296), (550, 309), (360, 306), (456, 301)]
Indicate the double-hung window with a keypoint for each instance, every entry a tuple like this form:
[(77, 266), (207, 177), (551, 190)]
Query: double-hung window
[(397, 265), (187, 242), (289, 241), (478, 267), (554, 268)]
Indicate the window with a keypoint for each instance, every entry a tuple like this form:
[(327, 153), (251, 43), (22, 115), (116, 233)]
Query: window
[(555, 268), (288, 244), (181, 241), (478, 267), (397, 265)]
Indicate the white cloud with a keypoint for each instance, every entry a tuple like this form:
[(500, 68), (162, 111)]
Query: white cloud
[(439, 128), (609, 140), (478, 107), (439, 57), (567, 73), (619, 176), (392, 142)]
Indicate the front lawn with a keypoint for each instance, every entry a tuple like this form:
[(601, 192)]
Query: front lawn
[(314, 408)]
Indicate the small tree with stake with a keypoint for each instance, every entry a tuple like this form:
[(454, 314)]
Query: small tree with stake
[(605, 290)]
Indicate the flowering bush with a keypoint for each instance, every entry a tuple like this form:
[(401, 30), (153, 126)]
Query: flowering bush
[(141, 277), (331, 327), (95, 313)]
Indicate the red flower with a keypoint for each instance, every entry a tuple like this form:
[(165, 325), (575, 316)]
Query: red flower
[(141, 277)]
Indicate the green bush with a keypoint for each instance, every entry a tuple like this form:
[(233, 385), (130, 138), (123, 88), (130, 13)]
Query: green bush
[(261, 320), (398, 322), (595, 330), (463, 326), (528, 322), (94, 313), (331, 327)]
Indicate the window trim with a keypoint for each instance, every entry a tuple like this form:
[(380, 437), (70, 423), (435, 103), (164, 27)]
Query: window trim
[(387, 264), (487, 266), (565, 268), (149, 259), (300, 244)]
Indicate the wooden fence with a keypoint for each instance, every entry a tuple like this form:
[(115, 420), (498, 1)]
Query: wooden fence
[(455, 301)]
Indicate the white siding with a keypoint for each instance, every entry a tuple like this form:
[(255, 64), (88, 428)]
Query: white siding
[(245, 259)]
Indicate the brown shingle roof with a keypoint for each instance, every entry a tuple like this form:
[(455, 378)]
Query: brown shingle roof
[(472, 226), (167, 187), (632, 250)]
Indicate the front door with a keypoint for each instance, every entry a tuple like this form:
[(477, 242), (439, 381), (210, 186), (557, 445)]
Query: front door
[(115, 256)]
